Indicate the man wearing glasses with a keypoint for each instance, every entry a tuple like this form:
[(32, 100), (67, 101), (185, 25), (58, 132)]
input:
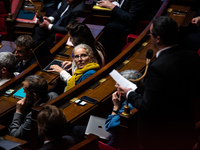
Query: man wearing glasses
[(171, 84), (35, 87)]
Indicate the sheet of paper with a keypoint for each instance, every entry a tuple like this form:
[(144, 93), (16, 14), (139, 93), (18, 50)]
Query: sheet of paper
[(121, 80)]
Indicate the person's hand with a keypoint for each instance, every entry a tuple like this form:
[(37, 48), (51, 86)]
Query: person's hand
[(66, 64), (106, 3), (47, 19), (196, 21), (21, 105), (123, 91), (55, 68), (116, 99), (44, 24)]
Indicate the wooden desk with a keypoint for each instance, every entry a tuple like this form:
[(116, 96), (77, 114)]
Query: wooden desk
[(3, 131), (14, 28), (7, 104), (23, 143)]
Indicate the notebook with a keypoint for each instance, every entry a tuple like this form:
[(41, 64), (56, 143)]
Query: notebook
[(96, 125), (19, 94), (45, 58), (26, 16)]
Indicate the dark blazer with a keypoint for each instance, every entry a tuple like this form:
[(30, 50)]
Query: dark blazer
[(165, 109), (20, 67), (72, 13), (133, 10), (59, 144)]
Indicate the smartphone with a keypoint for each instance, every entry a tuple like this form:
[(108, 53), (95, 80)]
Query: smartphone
[(89, 99)]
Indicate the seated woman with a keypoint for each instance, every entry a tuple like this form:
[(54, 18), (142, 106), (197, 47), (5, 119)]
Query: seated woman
[(86, 66), (80, 33)]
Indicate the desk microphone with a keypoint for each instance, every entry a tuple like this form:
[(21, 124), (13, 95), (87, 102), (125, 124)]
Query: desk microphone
[(148, 59), (149, 55)]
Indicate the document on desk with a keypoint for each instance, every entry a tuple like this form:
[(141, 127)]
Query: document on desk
[(8, 145), (121, 80)]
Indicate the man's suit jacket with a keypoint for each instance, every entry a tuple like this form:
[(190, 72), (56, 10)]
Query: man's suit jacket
[(133, 10), (72, 13), (165, 109), (59, 144), (20, 67)]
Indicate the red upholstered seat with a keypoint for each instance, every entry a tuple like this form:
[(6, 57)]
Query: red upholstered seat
[(58, 37), (3, 13), (198, 52), (131, 37), (14, 5), (103, 146)]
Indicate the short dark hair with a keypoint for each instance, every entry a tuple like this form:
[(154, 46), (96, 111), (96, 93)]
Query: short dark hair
[(166, 28), (26, 41), (81, 34), (52, 121), (38, 85)]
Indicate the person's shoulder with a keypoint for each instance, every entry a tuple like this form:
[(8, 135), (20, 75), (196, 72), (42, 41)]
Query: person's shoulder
[(52, 95), (90, 72)]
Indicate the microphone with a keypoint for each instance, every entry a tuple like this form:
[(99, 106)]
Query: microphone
[(149, 55), (148, 59)]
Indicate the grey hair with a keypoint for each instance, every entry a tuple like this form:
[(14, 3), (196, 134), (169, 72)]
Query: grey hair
[(8, 60), (132, 74), (26, 41), (87, 48)]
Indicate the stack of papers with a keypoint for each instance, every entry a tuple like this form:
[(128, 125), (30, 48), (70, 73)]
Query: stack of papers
[(26, 16)]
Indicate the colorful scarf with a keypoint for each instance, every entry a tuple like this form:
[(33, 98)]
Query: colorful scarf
[(78, 73)]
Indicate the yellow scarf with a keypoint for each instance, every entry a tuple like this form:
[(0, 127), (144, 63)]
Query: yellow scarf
[(78, 73)]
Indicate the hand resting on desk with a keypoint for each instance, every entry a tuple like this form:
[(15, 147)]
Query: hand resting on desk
[(66, 65)]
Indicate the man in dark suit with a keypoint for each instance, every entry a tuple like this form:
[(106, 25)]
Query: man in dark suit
[(123, 21), (24, 46), (166, 107), (52, 125), (68, 12)]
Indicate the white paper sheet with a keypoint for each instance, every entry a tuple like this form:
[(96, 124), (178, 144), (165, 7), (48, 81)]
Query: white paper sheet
[(121, 80)]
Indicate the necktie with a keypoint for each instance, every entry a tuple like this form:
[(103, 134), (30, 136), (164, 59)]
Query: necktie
[(62, 16)]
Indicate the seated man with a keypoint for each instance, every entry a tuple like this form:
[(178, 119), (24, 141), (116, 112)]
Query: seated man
[(123, 21), (49, 6), (7, 67), (52, 125), (24, 46), (68, 12), (36, 88)]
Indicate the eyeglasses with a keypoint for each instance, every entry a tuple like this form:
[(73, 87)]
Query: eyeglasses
[(82, 56)]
